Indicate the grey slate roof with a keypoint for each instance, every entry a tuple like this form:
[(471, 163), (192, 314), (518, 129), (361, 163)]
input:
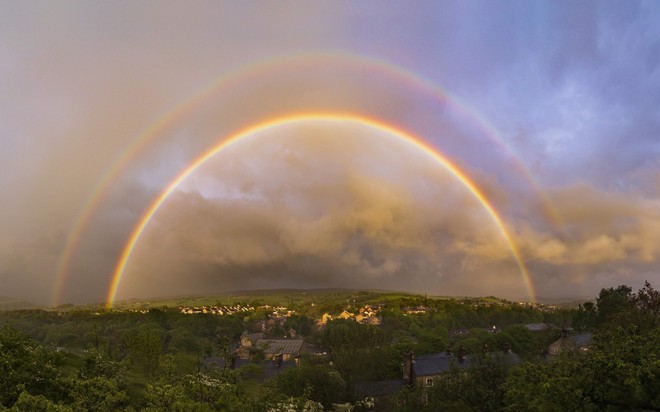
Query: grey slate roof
[(581, 340), (274, 346), (254, 336), (430, 365)]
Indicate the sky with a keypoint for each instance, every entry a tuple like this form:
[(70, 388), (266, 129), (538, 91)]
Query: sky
[(550, 110)]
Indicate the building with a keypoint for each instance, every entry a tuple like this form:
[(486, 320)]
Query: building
[(346, 315), (570, 343), (423, 369), (250, 339), (288, 349)]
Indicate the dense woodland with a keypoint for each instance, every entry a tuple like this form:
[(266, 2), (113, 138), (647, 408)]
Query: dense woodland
[(82, 358)]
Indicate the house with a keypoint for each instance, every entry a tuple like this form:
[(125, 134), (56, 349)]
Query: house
[(320, 324), (570, 343), (287, 348), (346, 315), (249, 339), (419, 310), (425, 368)]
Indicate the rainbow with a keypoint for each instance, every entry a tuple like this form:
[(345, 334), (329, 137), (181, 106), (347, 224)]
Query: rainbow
[(243, 74), (315, 117)]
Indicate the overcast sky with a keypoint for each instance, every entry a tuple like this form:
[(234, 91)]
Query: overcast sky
[(551, 108)]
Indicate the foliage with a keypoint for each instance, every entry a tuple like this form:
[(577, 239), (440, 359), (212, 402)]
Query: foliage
[(611, 302), (618, 372), (155, 361), (478, 388), (27, 402), (98, 394), (26, 366), (319, 383), (144, 346)]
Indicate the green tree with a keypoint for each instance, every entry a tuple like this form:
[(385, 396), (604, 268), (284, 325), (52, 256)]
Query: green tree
[(479, 388), (27, 365), (611, 302), (560, 385), (37, 403), (322, 383), (618, 372), (98, 394), (144, 346)]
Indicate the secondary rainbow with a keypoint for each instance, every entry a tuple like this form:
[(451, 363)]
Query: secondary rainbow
[(316, 117), (242, 75)]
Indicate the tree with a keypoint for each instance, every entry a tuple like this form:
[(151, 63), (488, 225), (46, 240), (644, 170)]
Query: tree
[(98, 394), (479, 388), (618, 372), (144, 346), (586, 316), (611, 302), (27, 402), (27, 365), (547, 386), (316, 382), (296, 403)]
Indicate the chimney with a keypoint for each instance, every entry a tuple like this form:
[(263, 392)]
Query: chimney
[(408, 367), (461, 353)]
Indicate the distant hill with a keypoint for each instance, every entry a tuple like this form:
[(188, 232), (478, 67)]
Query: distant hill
[(15, 304), (571, 302), (285, 297), (290, 296)]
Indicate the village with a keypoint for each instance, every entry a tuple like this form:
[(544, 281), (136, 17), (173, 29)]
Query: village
[(391, 349), (264, 345)]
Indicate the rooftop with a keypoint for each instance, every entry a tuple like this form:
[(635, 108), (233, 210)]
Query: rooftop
[(274, 346), (435, 364)]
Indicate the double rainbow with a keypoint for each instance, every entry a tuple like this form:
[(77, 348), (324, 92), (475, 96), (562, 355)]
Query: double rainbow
[(244, 74), (377, 125)]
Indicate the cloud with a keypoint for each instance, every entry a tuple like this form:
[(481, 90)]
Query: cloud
[(599, 226), (571, 90), (317, 195)]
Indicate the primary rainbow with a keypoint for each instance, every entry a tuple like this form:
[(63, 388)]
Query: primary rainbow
[(318, 117), (244, 73)]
